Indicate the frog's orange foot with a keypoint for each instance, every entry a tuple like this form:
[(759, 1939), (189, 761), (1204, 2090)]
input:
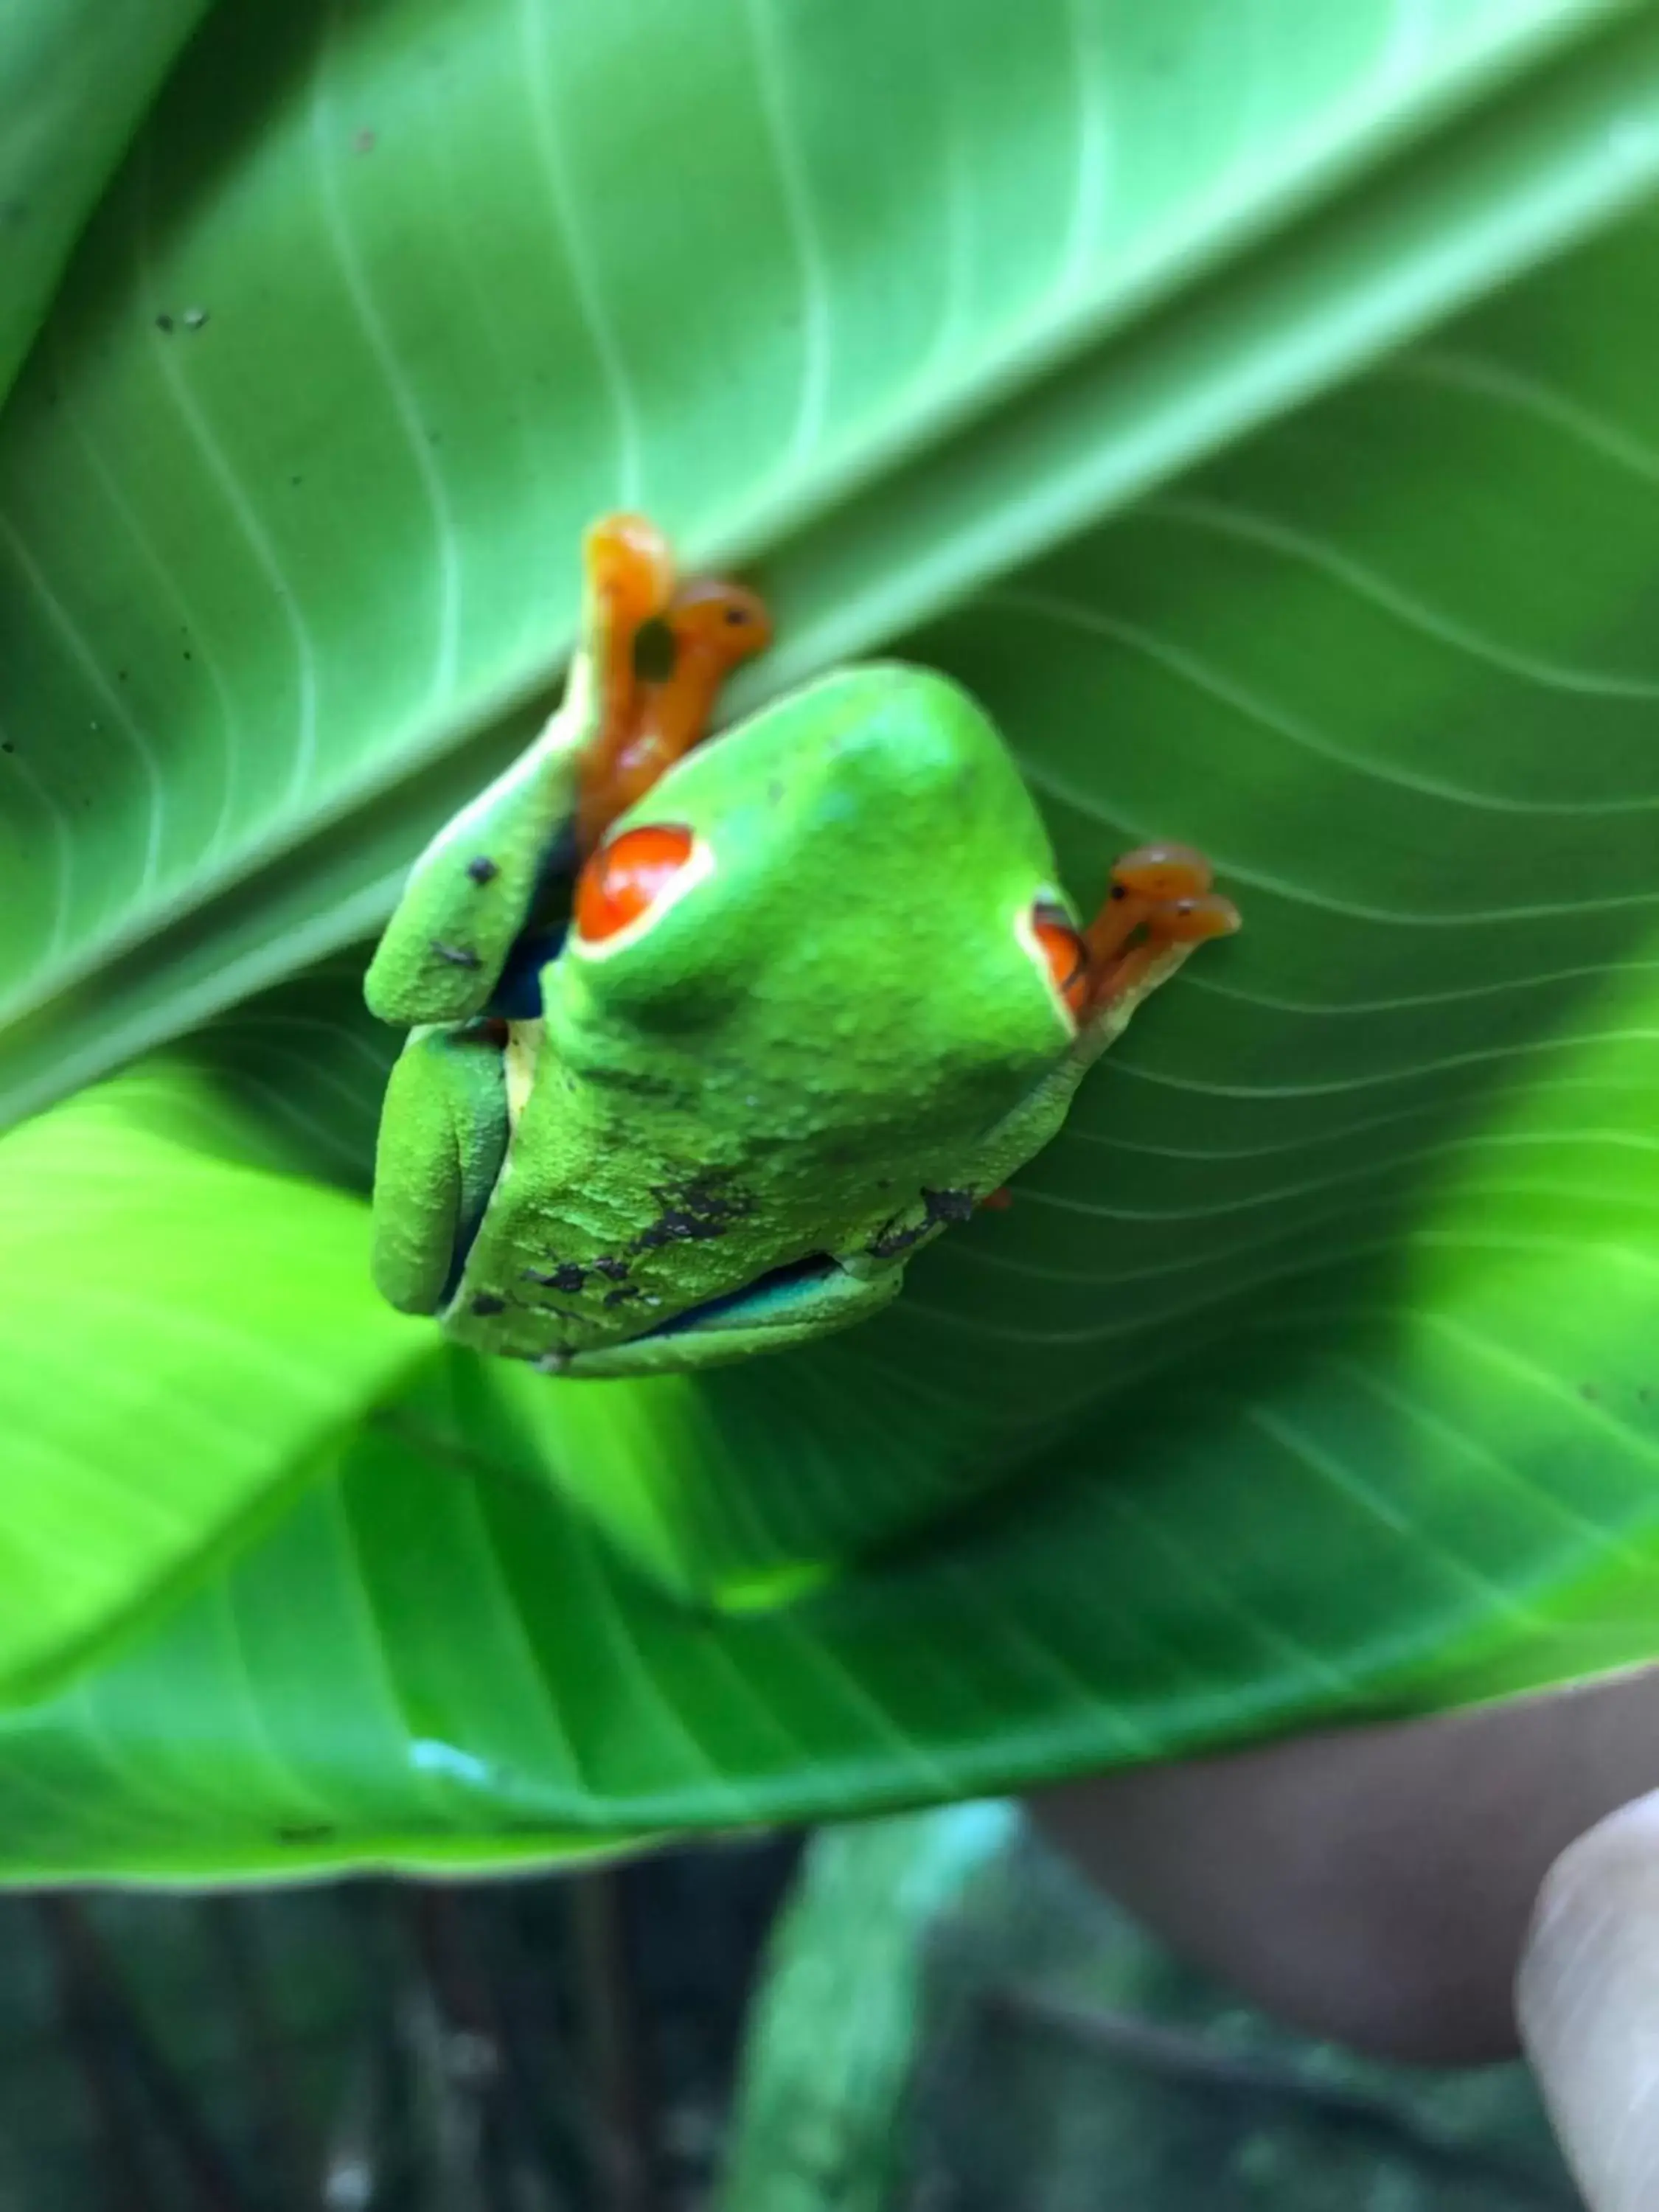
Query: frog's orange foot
[(708, 630), (1160, 898), (630, 571), (663, 651)]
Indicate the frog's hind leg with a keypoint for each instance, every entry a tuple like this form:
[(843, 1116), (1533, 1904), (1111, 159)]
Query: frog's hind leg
[(443, 1137)]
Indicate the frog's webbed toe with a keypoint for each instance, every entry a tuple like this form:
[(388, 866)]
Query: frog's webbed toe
[(1160, 904)]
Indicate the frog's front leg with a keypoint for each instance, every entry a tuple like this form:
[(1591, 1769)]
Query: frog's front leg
[(474, 888), (795, 1306), (679, 663), (1158, 908), (443, 1137)]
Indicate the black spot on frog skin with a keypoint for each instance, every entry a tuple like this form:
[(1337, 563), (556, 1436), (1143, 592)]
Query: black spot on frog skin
[(569, 1275), (938, 1207), (458, 956), (674, 1227), (486, 1302), (621, 1293), (892, 1241), (482, 869), (704, 1207), (613, 1269)]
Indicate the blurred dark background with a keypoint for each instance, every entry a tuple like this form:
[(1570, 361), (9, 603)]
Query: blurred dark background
[(574, 2044)]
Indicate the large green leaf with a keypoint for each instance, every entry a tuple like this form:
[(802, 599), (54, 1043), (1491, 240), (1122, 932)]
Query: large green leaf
[(1431, 1058), (180, 1338), (433, 1659), (1310, 1375)]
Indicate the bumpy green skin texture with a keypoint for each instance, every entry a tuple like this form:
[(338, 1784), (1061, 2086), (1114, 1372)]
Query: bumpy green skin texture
[(832, 1045)]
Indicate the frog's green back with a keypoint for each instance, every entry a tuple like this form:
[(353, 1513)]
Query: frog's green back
[(821, 1029), (875, 856)]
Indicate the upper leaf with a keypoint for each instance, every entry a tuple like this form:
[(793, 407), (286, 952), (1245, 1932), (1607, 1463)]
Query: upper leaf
[(388, 302), (76, 79)]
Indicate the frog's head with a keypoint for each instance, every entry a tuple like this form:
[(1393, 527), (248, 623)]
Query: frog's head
[(846, 909)]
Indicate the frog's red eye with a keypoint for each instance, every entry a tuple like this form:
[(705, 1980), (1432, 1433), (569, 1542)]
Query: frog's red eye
[(626, 878), (1066, 952)]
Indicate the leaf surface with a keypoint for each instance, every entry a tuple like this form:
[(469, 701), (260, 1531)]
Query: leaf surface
[(1271, 447), (180, 1337)]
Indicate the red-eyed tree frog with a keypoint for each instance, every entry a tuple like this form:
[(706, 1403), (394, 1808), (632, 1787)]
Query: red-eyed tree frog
[(706, 1040)]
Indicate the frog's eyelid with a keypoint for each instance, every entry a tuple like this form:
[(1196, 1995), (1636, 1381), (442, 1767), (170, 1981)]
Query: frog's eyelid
[(1047, 904)]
